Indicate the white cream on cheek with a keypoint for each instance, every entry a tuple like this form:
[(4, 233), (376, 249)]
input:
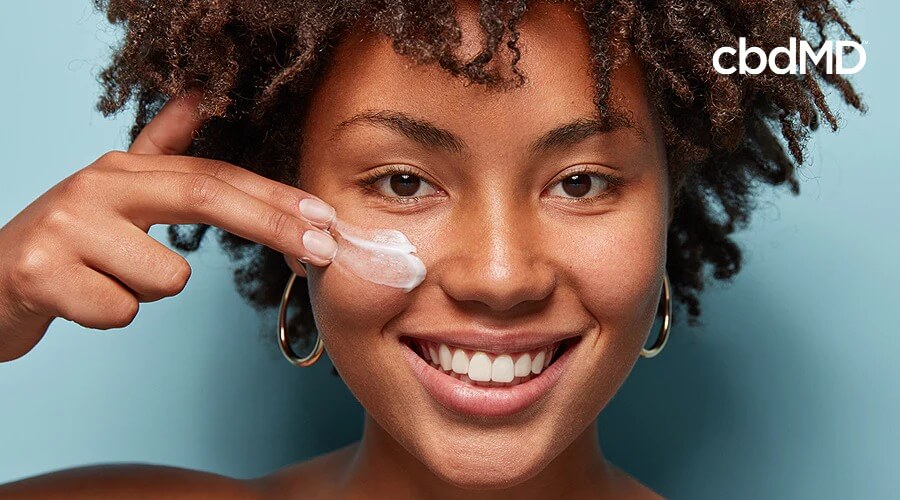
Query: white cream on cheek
[(382, 256)]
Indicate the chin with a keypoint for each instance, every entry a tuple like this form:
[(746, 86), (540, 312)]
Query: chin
[(472, 456), (488, 471)]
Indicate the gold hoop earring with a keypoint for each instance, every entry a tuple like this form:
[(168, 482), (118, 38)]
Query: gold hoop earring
[(283, 342), (667, 321)]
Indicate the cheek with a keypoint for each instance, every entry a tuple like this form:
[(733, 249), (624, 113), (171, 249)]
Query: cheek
[(621, 260), (618, 275), (350, 314), (620, 267)]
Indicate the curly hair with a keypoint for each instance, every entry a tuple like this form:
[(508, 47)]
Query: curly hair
[(257, 62)]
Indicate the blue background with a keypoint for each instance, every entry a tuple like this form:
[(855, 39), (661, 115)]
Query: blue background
[(788, 390)]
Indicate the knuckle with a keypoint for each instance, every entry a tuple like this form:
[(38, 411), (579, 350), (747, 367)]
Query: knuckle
[(112, 159), (31, 266), (278, 224), (124, 313), (175, 277), (219, 170), (83, 181), (58, 218), (202, 190), (281, 193)]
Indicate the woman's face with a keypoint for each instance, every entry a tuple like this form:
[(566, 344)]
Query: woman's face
[(532, 233)]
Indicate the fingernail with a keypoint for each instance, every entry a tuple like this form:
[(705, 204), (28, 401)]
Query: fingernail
[(316, 211), (320, 244)]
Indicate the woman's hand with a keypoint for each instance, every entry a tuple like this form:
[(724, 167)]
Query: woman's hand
[(81, 250)]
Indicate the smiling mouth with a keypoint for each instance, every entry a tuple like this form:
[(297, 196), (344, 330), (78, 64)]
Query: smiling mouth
[(489, 369)]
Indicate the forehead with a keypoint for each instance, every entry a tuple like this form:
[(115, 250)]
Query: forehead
[(367, 74)]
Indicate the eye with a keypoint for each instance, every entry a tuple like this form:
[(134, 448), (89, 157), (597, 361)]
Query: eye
[(402, 185), (581, 185)]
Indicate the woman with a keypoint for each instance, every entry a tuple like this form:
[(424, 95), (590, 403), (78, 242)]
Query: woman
[(554, 167)]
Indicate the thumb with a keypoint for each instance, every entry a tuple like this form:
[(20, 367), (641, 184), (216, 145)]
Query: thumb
[(170, 132)]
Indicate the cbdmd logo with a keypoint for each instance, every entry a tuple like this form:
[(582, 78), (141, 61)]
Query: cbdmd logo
[(832, 52)]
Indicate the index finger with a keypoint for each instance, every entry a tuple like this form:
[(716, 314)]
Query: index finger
[(171, 131), (278, 194)]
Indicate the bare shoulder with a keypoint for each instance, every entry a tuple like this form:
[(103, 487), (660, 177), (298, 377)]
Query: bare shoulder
[(134, 481), (321, 477)]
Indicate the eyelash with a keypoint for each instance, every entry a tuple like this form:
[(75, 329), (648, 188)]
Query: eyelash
[(379, 173), (614, 183)]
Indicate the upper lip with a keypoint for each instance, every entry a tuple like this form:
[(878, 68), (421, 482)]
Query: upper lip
[(496, 341)]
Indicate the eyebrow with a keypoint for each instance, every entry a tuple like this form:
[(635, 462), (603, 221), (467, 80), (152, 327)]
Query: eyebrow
[(432, 136)]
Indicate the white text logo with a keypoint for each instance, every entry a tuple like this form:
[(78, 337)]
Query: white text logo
[(832, 52)]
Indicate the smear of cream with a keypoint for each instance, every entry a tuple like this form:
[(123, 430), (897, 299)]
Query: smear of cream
[(382, 256)]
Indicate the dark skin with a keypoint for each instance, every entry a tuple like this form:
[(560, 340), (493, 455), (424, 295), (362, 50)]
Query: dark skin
[(55, 258), (318, 478), (544, 274), (401, 457), (724, 135)]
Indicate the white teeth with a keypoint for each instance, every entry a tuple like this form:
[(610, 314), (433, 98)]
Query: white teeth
[(480, 367), (460, 362), (483, 368), (537, 364), (523, 365), (502, 370), (446, 357)]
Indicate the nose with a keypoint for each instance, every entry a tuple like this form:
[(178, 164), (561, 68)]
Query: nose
[(495, 259)]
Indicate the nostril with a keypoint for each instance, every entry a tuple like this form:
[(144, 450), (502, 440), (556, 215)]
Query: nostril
[(500, 290), (497, 258)]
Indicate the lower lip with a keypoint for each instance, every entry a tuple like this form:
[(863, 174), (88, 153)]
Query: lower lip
[(467, 399)]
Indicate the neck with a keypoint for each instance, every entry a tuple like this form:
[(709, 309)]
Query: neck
[(382, 468)]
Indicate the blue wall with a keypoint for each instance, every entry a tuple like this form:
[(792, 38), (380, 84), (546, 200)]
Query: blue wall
[(788, 390)]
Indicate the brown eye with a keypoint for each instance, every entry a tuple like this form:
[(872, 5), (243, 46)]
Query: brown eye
[(405, 184), (577, 185), (582, 185)]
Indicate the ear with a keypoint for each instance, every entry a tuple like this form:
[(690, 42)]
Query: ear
[(295, 265)]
